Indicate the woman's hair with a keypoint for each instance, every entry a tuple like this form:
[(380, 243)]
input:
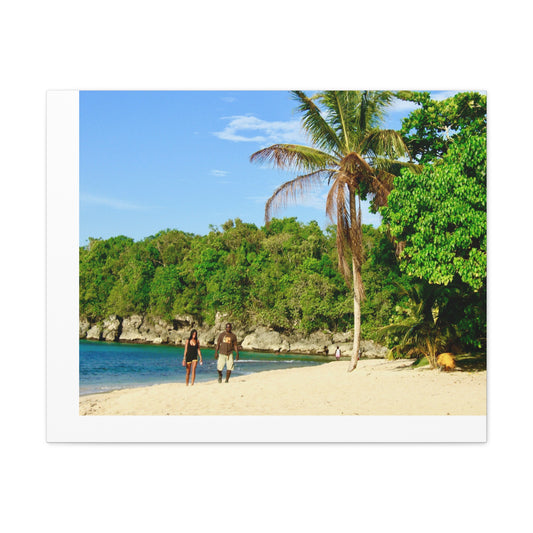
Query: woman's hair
[(193, 331)]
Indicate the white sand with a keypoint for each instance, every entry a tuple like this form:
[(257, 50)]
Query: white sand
[(376, 387)]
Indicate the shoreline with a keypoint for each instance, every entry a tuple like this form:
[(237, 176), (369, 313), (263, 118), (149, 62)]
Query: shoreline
[(210, 346), (375, 387), (133, 386), (204, 374)]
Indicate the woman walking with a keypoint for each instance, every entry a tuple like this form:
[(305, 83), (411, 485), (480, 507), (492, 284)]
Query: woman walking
[(191, 355)]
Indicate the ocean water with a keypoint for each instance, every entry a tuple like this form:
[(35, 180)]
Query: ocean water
[(108, 366)]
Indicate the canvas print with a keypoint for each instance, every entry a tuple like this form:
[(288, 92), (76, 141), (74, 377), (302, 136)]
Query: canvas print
[(274, 253)]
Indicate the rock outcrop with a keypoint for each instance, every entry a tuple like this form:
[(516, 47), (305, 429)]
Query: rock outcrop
[(85, 326), (94, 333), (263, 338), (153, 330), (111, 328), (373, 350), (130, 329)]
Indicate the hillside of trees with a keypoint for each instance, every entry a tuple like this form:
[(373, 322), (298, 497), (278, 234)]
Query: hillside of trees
[(283, 276)]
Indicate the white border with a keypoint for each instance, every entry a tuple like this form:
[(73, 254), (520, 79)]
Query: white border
[(63, 421), (62, 232)]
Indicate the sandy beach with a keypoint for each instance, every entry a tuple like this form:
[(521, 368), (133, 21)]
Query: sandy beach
[(376, 387)]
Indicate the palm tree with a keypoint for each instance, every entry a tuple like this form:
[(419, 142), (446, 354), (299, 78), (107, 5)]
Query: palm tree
[(354, 157), (426, 330)]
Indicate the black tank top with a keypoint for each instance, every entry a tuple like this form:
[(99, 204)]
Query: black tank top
[(192, 350)]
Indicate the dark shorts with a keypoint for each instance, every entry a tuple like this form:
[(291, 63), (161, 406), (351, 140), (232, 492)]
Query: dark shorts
[(190, 359)]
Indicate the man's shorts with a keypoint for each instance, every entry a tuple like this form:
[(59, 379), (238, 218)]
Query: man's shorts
[(225, 360)]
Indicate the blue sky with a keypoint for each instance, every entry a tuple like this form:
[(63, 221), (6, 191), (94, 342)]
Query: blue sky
[(180, 159)]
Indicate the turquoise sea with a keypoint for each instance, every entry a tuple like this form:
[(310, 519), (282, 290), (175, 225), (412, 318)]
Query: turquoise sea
[(108, 366)]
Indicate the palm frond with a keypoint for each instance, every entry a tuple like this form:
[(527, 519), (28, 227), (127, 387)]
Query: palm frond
[(405, 95), (380, 185), (393, 166), (340, 207), (294, 157), (342, 106), (336, 207), (364, 113), (371, 110), (336, 198), (294, 189), (355, 166), (316, 125), (388, 143)]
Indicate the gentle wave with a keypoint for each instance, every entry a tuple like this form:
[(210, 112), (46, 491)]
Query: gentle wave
[(261, 361), (105, 367)]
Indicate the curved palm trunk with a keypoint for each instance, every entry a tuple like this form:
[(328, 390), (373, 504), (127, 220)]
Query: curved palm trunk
[(432, 354), (356, 316)]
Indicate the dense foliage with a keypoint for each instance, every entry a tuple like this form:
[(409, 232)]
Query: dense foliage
[(425, 329), (283, 276), (438, 215), (432, 128)]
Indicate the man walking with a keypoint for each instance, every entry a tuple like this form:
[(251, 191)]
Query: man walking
[(226, 343)]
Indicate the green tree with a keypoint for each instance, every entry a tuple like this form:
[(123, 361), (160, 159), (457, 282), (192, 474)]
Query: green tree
[(283, 275), (167, 283), (432, 128), (440, 216), (172, 245), (100, 263), (352, 155), (131, 292), (382, 278)]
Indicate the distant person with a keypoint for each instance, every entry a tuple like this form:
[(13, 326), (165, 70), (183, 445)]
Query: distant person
[(226, 344), (190, 356), (326, 351), (338, 353)]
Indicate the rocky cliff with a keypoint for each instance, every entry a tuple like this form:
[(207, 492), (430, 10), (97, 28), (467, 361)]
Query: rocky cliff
[(153, 330)]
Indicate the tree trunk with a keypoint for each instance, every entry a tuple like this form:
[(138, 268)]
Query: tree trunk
[(432, 355), (356, 316)]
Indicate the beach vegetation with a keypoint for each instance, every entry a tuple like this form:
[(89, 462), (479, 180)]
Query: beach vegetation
[(283, 276), (438, 216), (431, 129), (425, 330)]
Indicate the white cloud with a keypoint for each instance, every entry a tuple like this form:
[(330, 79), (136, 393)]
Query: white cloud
[(242, 129), (229, 99), (402, 106), (442, 95), (314, 200), (109, 202), (406, 107), (219, 173)]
